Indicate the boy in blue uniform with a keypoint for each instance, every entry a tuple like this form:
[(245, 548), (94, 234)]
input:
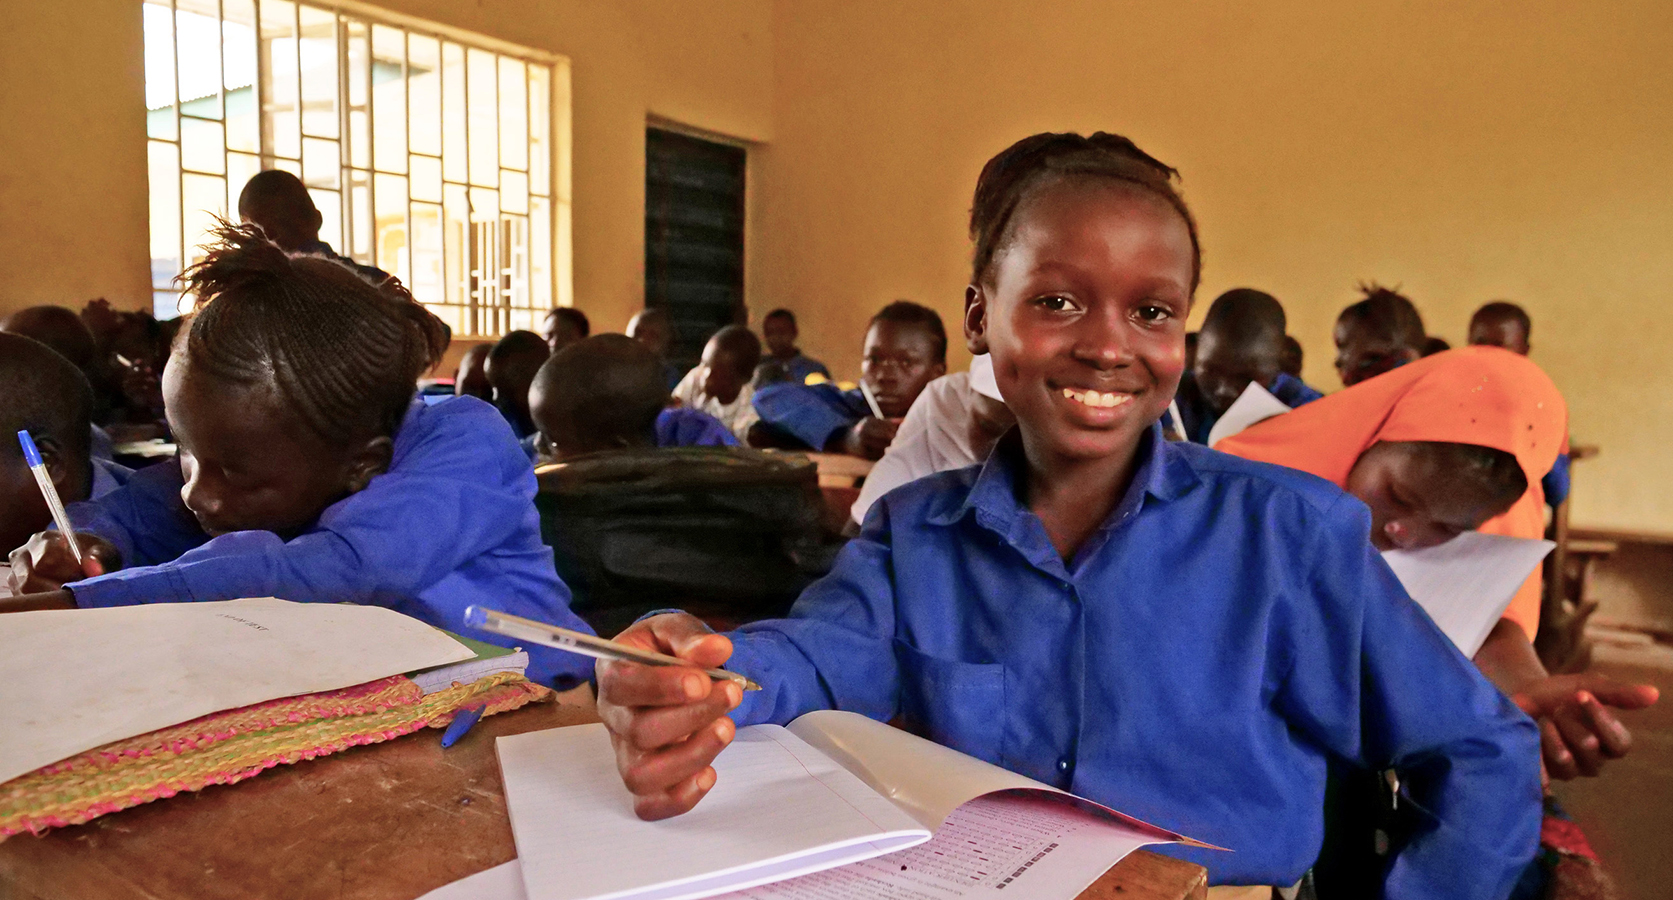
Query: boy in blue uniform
[(309, 471), (1241, 342), (1380, 333), (905, 349), (784, 360), (1504, 324), (1185, 636)]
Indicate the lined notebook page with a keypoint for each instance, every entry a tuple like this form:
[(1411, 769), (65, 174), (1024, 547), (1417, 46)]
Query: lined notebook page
[(1466, 583), (1009, 845), (778, 809)]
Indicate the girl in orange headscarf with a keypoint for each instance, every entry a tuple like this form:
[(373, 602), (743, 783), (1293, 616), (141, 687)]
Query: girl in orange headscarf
[(1455, 442)]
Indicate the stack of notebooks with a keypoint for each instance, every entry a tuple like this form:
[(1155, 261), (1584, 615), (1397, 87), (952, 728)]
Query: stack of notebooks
[(112, 708)]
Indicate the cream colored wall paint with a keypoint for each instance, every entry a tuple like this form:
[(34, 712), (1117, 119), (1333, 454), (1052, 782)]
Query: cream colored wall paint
[(72, 156), (1464, 151)]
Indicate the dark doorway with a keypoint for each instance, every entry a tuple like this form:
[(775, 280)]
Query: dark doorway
[(694, 236)]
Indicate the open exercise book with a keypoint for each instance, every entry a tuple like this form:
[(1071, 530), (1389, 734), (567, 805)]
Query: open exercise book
[(794, 804), (1466, 583)]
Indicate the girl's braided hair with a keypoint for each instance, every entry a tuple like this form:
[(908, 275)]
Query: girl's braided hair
[(345, 355), (1020, 169)]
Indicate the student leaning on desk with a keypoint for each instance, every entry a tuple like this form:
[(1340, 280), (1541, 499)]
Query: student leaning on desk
[(1186, 636), (309, 470)]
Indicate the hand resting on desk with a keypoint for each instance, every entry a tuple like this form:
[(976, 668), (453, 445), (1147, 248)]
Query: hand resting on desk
[(668, 723), (32, 602), (46, 563)]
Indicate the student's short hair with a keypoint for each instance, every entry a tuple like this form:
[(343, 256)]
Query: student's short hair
[(1495, 473), (601, 393), (1248, 318), (344, 355), (1042, 159), (1293, 356), (276, 186), (516, 344), (905, 312), (1433, 345), (58, 328), (572, 317), (46, 395), (741, 345), (1504, 309), (1389, 315), (780, 313)]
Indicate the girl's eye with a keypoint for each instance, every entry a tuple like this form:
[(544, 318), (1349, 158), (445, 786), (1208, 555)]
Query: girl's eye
[(1055, 303), (1155, 313)]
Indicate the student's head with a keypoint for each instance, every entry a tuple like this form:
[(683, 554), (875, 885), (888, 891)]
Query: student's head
[(471, 380), (1502, 324), (778, 329), (1379, 333), (1292, 357), (905, 349), (1424, 493), (1433, 345), (510, 369), (600, 393), (1085, 263), (1241, 341), (50, 398), (277, 201), (650, 327), (58, 328), (729, 361), (563, 326), (288, 386)]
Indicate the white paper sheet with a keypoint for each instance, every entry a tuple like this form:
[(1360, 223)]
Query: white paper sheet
[(1466, 583), (502, 882), (76, 679), (779, 809), (5, 581), (1255, 404), (1011, 845)]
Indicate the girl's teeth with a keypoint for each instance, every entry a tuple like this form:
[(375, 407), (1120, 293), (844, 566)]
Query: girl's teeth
[(1095, 398)]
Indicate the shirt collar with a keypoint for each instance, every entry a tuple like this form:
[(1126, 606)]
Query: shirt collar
[(1164, 472)]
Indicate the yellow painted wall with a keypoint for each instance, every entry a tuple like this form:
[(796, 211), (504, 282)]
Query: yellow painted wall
[(1466, 151)]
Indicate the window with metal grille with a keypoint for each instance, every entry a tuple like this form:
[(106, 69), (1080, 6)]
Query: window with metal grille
[(428, 155)]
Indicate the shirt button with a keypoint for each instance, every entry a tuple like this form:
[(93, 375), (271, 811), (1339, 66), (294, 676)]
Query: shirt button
[(1065, 765)]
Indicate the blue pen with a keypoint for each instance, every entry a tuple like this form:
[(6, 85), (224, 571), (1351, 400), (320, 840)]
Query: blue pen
[(32, 455), (462, 722)]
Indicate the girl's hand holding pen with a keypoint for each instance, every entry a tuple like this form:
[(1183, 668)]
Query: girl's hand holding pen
[(47, 564), (668, 723)]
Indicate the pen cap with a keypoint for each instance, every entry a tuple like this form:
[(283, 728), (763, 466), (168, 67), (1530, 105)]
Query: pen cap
[(475, 616), (31, 454)]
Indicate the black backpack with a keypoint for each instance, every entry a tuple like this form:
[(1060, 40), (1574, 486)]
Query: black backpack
[(729, 535)]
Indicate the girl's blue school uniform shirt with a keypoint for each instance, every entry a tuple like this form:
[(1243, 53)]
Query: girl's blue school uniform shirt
[(451, 523), (810, 413), (682, 426), (1226, 631)]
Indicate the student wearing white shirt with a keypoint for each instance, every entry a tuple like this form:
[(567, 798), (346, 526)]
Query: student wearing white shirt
[(954, 423), (720, 384)]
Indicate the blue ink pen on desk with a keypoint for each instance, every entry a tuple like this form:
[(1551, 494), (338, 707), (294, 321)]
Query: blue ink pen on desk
[(32, 455), (462, 722), (585, 644)]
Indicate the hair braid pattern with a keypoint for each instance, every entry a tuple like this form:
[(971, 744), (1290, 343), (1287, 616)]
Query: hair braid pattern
[(343, 354)]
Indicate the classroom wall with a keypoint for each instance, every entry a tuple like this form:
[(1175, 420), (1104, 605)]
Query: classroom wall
[(1464, 151), (73, 214)]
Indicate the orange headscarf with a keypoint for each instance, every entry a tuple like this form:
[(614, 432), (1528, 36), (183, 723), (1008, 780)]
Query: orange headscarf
[(1474, 395)]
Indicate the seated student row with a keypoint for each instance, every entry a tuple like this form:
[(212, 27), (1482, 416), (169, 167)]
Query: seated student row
[(958, 606)]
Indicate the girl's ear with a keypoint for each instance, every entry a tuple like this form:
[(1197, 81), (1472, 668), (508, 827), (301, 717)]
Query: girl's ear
[(975, 319), (371, 460)]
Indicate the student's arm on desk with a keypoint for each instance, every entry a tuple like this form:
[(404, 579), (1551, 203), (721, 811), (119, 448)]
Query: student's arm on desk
[(1577, 731), (33, 602), (1466, 756), (47, 564), (835, 651)]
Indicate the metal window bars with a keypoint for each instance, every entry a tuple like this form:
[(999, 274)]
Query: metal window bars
[(429, 156)]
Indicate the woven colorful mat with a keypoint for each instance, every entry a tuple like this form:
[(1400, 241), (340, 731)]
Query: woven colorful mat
[(230, 746)]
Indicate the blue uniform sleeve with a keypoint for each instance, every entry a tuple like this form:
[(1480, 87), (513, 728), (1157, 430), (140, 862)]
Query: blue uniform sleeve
[(1468, 759), (685, 427), (811, 413), (451, 523), (1556, 482), (836, 649)]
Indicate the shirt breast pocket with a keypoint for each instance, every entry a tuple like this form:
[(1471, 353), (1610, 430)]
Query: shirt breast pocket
[(957, 704)]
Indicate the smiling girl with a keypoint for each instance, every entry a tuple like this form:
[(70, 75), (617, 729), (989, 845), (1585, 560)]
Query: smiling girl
[(310, 471), (1189, 637)]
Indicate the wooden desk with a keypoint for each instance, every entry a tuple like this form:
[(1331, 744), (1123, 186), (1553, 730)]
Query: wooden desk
[(386, 822), (840, 469)]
